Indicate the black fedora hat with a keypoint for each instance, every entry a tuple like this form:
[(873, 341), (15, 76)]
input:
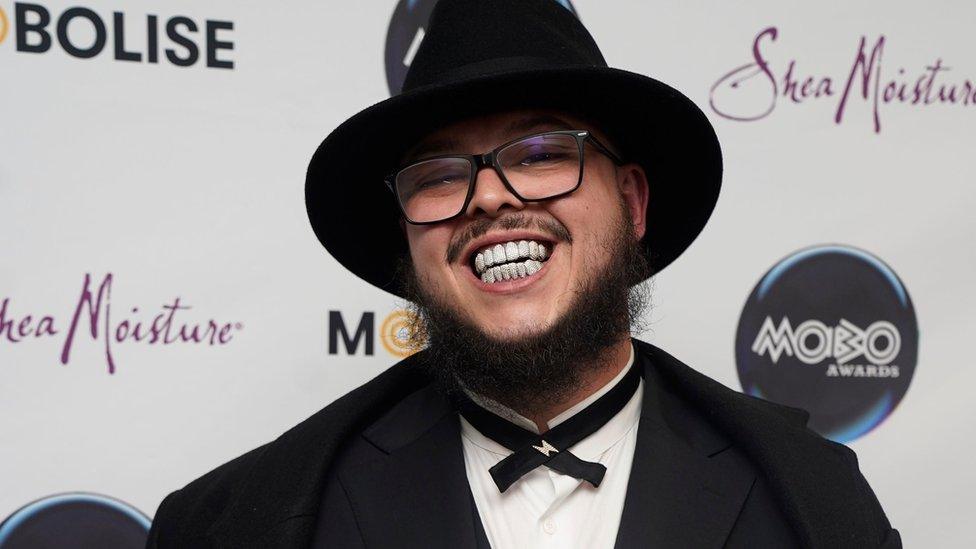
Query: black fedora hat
[(481, 56)]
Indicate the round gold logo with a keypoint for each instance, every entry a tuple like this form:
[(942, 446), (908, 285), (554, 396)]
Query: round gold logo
[(396, 332), (4, 25)]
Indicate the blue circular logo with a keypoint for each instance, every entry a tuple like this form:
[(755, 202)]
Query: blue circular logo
[(76, 520), (832, 330)]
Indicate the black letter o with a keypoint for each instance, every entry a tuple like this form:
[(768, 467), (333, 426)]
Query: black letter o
[(96, 22)]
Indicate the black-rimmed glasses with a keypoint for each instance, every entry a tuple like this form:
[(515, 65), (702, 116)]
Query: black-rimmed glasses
[(536, 167)]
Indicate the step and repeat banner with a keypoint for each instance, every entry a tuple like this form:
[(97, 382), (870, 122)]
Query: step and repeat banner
[(165, 307)]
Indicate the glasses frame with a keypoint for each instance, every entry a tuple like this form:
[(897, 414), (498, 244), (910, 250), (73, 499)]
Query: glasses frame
[(490, 160)]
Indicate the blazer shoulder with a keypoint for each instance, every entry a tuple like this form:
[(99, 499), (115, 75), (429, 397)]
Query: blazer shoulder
[(698, 384), (798, 416), (818, 480), (778, 423), (185, 514), (188, 513)]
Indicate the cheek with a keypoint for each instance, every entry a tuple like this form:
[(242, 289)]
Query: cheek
[(428, 247), (592, 222)]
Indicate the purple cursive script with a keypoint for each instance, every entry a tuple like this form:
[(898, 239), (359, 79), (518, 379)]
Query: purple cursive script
[(94, 308), (865, 79)]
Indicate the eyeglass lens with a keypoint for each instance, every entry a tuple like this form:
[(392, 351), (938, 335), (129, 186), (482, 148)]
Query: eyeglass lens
[(537, 167)]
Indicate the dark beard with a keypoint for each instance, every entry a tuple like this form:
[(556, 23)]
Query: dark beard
[(532, 373)]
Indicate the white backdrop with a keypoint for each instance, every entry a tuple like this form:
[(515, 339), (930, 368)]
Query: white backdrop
[(187, 182)]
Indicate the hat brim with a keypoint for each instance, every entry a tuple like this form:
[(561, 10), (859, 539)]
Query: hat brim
[(356, 218)]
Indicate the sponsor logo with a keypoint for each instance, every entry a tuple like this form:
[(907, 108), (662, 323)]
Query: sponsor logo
[(394, 334), (75, 520), (406, 32), (4, 25), (93, 310), (83, 33), (812, 342), (830, 329), (752, 91)]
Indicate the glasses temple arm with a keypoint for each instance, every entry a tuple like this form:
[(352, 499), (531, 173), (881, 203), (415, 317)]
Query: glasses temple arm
[(604, 149)]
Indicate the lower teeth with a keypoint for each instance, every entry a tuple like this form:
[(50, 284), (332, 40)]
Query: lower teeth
[(511, 271)]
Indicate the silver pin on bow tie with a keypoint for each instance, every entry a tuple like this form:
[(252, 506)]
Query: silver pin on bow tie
[(546, 449)]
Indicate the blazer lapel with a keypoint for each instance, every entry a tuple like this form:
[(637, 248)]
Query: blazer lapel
[(417, 491), (685, 489)]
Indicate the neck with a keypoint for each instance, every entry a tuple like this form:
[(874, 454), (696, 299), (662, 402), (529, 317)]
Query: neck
[(608, 365)]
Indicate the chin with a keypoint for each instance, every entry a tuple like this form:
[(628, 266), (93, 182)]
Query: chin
[(509, 316), (514, 329)]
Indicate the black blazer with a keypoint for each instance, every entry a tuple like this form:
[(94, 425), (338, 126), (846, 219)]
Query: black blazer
[(382, 467)]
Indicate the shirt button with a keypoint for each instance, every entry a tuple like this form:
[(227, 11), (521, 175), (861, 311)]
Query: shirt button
[(549, 526)]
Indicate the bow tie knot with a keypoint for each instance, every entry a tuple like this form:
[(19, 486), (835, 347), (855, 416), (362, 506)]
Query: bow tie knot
[(530, 450)]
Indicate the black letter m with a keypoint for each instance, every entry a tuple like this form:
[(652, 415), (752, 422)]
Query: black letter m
[(337, 326)]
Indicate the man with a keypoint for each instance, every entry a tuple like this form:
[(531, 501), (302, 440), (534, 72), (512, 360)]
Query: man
[(530, 189)]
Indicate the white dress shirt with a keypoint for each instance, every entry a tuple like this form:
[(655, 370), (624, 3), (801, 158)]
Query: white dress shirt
[(546, 508)]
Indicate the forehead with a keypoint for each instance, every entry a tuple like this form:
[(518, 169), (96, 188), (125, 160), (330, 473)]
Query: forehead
[(478, 134)]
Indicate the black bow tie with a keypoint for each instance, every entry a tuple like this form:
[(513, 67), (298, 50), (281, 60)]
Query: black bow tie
[(550, 448)]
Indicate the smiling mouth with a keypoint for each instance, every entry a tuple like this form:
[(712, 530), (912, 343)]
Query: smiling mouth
[(510, 260)]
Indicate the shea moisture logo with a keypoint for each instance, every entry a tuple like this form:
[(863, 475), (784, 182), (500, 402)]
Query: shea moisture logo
[(832, 330), (753, 90), (84, 33), (95, 320), (813, 342)]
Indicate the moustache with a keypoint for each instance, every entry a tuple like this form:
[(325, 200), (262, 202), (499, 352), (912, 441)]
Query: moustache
[(551, 227)]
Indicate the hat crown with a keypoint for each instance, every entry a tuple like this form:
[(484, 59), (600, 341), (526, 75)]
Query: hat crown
[(479, 37)]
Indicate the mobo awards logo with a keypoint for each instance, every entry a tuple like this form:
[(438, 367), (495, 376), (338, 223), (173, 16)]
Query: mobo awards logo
[(75, 520), (395, 334), (830, 329), (406, 32), (4, 25)]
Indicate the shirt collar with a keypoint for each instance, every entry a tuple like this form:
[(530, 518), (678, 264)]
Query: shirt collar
[(591, 447)]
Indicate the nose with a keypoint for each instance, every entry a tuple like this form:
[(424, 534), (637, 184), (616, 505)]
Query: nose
[(491, 196)]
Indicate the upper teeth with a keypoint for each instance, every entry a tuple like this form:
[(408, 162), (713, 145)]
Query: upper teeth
[(490, 262)]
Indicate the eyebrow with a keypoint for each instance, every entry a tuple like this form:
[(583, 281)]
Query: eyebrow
[(533, 122), (440, 145)]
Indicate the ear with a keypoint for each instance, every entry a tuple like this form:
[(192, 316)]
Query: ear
[(635, 192)]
